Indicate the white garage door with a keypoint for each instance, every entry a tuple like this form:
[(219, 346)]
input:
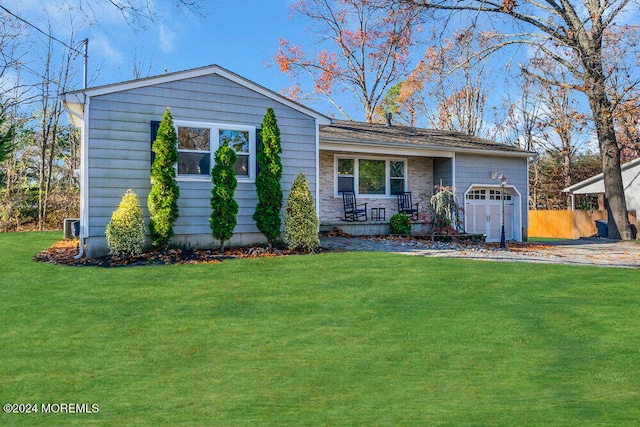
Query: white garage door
[(483, 213)]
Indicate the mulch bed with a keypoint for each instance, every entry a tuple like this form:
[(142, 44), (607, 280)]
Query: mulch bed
[(64, 251)]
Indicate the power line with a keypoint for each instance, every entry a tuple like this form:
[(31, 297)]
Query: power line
[(38, 29)]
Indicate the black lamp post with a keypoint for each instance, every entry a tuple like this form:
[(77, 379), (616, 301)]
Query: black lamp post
[(503, 182)]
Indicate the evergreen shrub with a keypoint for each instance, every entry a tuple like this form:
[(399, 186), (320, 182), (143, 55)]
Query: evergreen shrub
[(301, 222), (125, 232), (163, 198), (224, 207), (267, 214), (400, 224)]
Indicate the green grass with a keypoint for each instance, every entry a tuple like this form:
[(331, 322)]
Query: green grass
[(547, 239), (331, 339)]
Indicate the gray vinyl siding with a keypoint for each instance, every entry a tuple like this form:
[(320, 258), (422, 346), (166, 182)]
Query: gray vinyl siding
[(443, 171), (119, 146), (476, 170)]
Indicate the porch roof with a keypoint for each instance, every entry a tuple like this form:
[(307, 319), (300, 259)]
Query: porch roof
[(376, 134)]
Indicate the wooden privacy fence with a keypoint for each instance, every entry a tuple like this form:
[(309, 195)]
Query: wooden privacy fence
[(567, 224)]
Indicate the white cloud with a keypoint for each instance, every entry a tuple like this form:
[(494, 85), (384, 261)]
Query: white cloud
[(101, 49), (167, 38)]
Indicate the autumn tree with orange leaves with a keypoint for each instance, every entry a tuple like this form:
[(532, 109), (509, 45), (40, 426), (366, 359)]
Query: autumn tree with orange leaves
[(449, 87), (364, 49)]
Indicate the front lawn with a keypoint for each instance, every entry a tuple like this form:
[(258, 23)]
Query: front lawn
[(330, 339)]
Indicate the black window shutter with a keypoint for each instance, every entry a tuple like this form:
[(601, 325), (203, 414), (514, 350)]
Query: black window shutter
[(154, 133), (258, 149)]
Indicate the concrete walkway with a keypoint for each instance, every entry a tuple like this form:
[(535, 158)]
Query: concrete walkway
[(586, 251)]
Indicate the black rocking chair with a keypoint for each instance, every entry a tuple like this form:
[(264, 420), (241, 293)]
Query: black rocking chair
[(406, 206), (352, 210)]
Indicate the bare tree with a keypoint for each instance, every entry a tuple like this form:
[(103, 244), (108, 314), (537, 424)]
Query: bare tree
[(448, 88), (460, 84), (573, 35), (56, 78), (13, 48), (137, 13), (521, 124), (141, 64), (623, 86), (560, 114)]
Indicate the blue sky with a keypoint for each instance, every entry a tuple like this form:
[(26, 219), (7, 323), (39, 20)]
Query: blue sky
[(240, 35)]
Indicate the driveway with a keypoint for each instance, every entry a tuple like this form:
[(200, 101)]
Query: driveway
[(586, 251)]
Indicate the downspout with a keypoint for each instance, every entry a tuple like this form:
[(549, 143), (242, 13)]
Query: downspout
[(82, 150), (453, 171), (317, 170), (84, 178), (83, 169)]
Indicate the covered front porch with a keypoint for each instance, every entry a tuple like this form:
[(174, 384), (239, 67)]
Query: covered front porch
[(377, 161), (376, 179)]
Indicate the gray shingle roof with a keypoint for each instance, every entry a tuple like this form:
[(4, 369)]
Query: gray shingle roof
[(380, 134)]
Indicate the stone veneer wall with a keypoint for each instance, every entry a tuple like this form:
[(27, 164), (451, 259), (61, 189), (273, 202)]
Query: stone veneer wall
[(420, 183)]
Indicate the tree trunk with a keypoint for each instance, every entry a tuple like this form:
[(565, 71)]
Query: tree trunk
[(41, 179), (618, 225)]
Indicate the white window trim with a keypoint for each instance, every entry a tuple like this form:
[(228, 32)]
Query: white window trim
[(356, 174), (214, 144)]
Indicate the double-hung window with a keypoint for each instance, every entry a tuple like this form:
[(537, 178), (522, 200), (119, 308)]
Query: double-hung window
[(239, 141), (370, 176), (198, 142), (194, 150), (346, 175)]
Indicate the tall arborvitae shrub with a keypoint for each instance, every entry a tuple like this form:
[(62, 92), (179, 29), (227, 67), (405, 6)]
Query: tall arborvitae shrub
[(225, 208), (267, 214), (163, 198), (301, 222), (125, 231)]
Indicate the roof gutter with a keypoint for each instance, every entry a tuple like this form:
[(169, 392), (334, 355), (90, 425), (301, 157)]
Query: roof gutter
[(416, 147)]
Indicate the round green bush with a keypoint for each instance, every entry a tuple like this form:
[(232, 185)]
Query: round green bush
[(400, 224)]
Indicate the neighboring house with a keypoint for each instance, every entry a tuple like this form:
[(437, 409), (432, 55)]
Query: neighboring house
[(595, 185), (118, 124)]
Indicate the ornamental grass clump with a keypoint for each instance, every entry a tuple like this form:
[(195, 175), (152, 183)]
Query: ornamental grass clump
[(125, 232), (446, 218), (301, 222)]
